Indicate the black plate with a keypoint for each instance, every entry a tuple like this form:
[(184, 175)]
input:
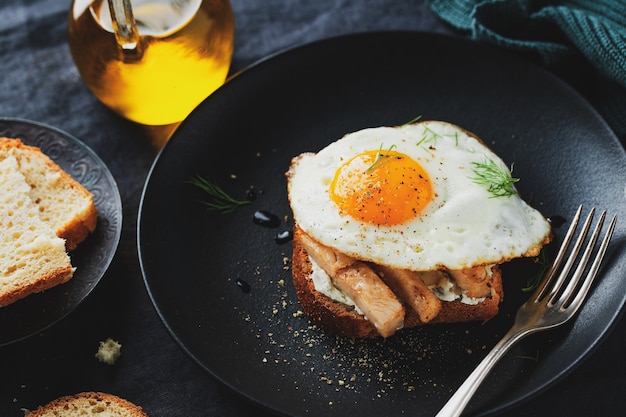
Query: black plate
[(92, 257), (195, 262)]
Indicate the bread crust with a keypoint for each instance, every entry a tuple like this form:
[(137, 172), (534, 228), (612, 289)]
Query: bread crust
[(88, 404), (76, 231), (57, 277), (342, 320)]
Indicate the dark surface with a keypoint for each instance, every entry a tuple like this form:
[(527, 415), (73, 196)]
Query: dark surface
[(39, 82)]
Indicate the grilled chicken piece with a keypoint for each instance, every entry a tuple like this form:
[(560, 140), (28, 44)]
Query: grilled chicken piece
[(359, 282), (329, 260), (473, 282), (409, 286), (372, 296)]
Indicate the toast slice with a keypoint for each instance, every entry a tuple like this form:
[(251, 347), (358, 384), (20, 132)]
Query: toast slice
[(32, 256), (62, 202), (86, 404), (344, 320)]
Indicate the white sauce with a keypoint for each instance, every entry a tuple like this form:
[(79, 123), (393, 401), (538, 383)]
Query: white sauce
[(446, 290), (323, 284)]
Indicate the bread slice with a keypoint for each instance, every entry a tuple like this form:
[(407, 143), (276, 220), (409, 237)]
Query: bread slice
[(62, 202), (86, 404), (343, 320), (32, 256)]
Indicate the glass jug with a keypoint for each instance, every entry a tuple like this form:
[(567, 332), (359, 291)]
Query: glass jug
[(152, 61)]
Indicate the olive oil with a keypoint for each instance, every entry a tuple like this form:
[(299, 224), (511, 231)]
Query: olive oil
[(186, 50)]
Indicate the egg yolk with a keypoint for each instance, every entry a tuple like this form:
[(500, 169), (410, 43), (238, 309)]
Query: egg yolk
[(381, 187)]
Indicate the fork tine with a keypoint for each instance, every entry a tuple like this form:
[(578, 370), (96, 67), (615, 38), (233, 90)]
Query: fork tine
[(580, 296), (569, 292), (555, 289), (558, 260)]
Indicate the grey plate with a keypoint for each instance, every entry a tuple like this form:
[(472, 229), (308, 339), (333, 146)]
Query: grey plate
[(300, 100), (92, 257)]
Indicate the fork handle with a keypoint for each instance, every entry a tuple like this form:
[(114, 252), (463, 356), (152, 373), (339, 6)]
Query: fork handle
[(456, 404)]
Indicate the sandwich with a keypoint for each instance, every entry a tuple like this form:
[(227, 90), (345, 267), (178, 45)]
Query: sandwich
[(396, 227)]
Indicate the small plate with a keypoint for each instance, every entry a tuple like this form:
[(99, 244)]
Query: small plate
[(92, 257)]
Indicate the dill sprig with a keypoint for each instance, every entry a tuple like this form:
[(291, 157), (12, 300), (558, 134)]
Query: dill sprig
[(381, 157), (219, 200), (430, 136), (534, 282), (413, 120), (498, 181)]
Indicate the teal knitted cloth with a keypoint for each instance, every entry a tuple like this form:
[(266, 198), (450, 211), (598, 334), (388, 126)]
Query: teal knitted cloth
[(589, 34)]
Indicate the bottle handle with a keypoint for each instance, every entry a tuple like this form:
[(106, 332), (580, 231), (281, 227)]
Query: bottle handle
[(125, 28)]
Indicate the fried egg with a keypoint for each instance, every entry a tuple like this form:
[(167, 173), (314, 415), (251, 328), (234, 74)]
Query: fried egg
[(422, 196)]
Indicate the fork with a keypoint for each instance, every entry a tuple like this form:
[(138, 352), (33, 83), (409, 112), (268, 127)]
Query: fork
[(553, 303)]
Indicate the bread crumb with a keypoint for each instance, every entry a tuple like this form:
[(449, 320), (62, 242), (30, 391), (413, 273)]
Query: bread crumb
[(109, 351)]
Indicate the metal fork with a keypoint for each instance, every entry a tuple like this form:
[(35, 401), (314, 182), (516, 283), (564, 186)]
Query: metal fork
[(553, 303)]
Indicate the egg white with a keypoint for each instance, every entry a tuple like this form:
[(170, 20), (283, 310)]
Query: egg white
[(463, 226)]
